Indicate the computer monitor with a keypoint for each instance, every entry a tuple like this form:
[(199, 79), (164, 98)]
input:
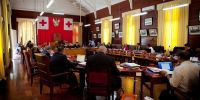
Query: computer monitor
[(166, 65)]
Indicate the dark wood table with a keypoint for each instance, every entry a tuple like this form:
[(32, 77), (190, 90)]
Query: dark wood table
[(136, 72)]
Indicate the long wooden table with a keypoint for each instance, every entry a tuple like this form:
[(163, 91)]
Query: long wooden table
[(153, 78)]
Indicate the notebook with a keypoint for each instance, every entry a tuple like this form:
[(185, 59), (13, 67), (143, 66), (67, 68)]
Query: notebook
[(168, 66), (80, 58)]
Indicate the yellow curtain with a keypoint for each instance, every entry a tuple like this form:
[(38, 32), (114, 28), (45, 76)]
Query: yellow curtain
[(131, 26), (26, 30), (172, 24), (106, 30), (6, 40), (2, 71), (77, 33)]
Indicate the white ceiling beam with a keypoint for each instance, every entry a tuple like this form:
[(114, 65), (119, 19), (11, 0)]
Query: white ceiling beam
[(131, 4), (108, 2)]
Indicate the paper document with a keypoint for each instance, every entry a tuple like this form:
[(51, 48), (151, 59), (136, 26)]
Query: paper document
[(153, 69), (82, 63), (131, 64)]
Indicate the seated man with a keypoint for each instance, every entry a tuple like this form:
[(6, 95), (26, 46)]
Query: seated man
[(185, 76), (76, 45), (101, 61), (138, 47), (109, 45), (189, 50), (59, 64)]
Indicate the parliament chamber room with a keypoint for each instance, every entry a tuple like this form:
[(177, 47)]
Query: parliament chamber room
[(99, 49)]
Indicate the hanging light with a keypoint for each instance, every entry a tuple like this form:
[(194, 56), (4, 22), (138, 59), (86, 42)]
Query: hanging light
[(114, 19), (50, 3), (87, 25), (36, 19), (41, 13), (173, 7), (58, 13), (140, 14)]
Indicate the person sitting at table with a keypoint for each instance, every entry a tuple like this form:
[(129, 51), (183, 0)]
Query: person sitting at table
[(151, 48), (109, 46), (125, 47), (103, 47), (76, 45), (29, 44), (102, 61), (189, 50), (138, 47), (185, 76), (59, 64)]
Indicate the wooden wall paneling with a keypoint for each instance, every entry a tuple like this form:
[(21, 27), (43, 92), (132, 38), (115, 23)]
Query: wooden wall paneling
[(194, 10), (118, 9), (146, 40)]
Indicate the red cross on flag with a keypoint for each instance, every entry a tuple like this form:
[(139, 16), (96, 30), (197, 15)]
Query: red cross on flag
[(43, 23), (68, 24)]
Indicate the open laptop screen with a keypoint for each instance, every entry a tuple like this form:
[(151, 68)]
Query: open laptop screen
[(80, 58), (166, 65)]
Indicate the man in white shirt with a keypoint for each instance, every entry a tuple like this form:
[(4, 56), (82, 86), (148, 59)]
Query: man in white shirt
[(151, 48), (185, 76)]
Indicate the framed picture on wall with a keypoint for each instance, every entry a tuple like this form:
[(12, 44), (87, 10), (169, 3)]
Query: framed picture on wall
[(120, 35), (148, 21), (153, 32), (95, 36), (143, 32), (113, 34), (116, 25), (99, 35), (97, 29), (194, 30)]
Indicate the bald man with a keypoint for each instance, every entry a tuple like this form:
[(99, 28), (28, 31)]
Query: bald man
[(101, 61)]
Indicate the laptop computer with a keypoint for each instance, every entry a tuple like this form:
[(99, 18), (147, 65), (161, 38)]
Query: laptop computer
[(80, 58), (166, 66)]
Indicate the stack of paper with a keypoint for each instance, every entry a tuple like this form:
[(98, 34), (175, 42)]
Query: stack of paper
[(131, 64), (82, 63)]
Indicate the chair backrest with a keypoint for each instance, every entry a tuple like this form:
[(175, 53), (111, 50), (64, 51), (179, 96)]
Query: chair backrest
[(159, 49), (98, 82), (27, 61), (42, 62), (177, 50)]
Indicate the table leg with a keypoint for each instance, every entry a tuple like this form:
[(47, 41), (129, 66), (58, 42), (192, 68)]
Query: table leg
[(151, 89), (134, 84), (141, 87), (82, 79)]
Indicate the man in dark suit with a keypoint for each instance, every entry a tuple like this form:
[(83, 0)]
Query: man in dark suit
[(59, 64), (189, 50), (100, 61), (76, 45)]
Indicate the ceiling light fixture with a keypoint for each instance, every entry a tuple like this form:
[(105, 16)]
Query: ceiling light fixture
[(36, 19), (98, 22), (173, 7), (41, 13), (58, 13), (50, 3), (114, 19), (140, 14), (87, 25)]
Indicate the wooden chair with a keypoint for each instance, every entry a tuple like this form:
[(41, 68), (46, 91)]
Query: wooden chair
[(98, 84), (32, 70), (46, 77)]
